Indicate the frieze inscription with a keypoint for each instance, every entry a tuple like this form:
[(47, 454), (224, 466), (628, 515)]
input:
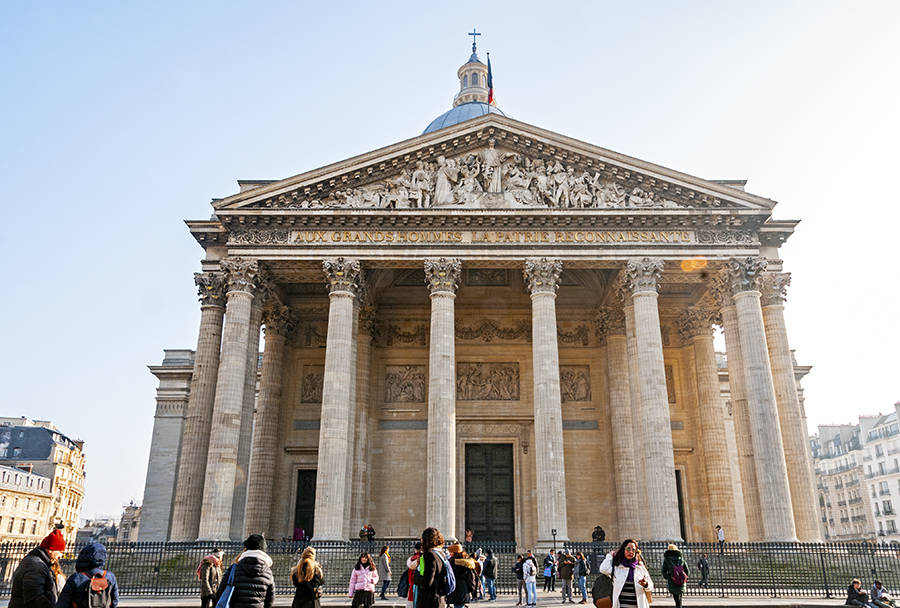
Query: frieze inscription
[(487, 381), (404, 384)]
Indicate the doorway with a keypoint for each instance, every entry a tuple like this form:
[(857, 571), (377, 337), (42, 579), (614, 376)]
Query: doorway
[(490, 499), (305, 508)]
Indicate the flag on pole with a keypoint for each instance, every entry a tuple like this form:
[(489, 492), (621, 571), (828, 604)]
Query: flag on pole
[(490, 82)]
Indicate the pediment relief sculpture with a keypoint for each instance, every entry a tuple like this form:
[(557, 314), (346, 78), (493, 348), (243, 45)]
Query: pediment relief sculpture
[(496, 178)]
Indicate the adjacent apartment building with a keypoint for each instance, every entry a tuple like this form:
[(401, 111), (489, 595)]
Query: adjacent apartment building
[(38, 448), (25, 502)]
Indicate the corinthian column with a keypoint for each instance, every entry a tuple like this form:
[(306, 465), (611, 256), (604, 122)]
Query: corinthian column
[(662, 499), (771, 470), (195, 437), (542, 278), (280, 322), (343, 277), (695, 327), (442, 278), (793, 425), (221, 463), (620, 413)]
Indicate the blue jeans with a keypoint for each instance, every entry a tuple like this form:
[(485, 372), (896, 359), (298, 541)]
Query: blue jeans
[(531, 592), (384, 587), (582, 584), (489, 584)]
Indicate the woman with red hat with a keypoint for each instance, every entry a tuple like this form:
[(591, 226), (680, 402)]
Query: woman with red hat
[(33, 582)]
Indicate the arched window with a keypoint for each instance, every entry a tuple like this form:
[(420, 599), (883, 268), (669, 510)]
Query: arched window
[(465, 80), (474, 79)]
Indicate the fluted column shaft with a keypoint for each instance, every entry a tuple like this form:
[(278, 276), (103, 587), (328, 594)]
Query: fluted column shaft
[(793, 425), (195, 436), (359, 499), (442, 278), (352, 454), (637, 433), (542, 278), (771, 470), (662, 498), (695, 327), (620, 412), (221, 464), (343, 278), (279, 323)]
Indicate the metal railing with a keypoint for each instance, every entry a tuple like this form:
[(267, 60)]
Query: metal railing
[(736, 569)]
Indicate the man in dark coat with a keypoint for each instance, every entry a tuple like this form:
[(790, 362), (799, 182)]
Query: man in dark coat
[(703, 567), (254, 585), (33, 582), (90, 564)]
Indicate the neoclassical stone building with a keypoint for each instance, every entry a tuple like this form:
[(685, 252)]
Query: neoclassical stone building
[(488, 325)]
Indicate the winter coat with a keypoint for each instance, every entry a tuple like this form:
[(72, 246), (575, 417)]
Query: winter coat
[(33, 582), (621, 573), (489, 567), (411, 564), (362, 579), (383, 567), (581, 567), (550, 562), (90, 562), (517, 569), (670, 560), (566, 568), (466, 584), (856, 594), (254, 585), (210, 575), (432, 567), (703, 565), (529, 571), (307, 593)]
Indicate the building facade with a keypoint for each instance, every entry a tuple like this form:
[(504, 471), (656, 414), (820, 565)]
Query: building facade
[(840, 484), (492, 326), (25, 502), (40, 448), (129, 524)]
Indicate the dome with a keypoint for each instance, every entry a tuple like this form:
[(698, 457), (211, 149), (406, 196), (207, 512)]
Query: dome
[(462, 113)]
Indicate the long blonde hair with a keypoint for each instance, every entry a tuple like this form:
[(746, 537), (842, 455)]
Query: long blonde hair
[(307, 567)]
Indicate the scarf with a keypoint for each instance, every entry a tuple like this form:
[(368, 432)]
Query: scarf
[(631, 565), (213, 558)]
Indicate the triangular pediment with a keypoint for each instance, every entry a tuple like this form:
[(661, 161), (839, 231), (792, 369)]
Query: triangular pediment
[(491, 162)]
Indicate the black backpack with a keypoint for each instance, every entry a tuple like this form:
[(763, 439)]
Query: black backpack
[(98, 591)]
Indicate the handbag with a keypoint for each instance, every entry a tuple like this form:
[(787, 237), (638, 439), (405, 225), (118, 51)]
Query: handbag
[(548, 571), (602, 591), (225, 598)]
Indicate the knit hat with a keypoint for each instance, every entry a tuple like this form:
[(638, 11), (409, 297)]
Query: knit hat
[(54, 541), (255, 542)]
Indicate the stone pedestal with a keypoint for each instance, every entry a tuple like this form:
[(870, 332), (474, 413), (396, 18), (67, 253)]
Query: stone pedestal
[(221, 464), (542, 278), (662, 497), (198, 418), (343, 278), (442, 278), (771, 470)]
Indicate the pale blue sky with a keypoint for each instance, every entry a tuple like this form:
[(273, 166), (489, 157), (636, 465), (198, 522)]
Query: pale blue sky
[(120, 120)]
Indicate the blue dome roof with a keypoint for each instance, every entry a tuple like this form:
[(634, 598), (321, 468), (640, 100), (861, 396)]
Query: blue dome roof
[(461, 113)]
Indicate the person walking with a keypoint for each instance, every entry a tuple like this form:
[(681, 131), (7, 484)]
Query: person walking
[(675, 571), (566, 572), (703, 568), (362, 582), (210, 573), (529, 574), (383, 567), (489, 572), (411, 564), (581, 572), (34, 582), (430, 571), (307, 578), (464, 572), (720, 536), (250, 576), (90, 574), (631, 580), (550, 572), (520, 578)]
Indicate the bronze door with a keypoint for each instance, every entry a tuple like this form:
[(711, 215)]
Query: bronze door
[(490, 500)]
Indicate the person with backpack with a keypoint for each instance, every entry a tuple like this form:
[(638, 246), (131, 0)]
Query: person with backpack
[(520, 578), (210, 573), (363, 579), (250, 577), (466, 578), (433, 576), (550, 572), (307, 579), (489, 572), (91, 585), (675, 571), (529, 574), (34, 580)]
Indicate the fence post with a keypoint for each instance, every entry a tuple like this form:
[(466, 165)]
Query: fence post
[(769, 555)]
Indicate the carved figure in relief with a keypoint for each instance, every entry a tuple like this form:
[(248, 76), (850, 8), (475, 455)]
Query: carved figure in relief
[(581, 196), (469, 187), (492, 167), (560, 179), (311, 387), (420, 184), (574, 384), (404, 384), (446, 174)]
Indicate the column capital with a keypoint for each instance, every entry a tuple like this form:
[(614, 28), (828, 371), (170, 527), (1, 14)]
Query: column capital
[(643, 275), (241, 274), (774, 288), (610, 321), (442, 275), (342, 275), (279, 320), (720, 289), (695, 321), (542, 275), (745, 274), (210, 288)]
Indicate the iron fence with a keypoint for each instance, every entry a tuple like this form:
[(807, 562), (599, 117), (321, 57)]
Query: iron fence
[(736, 569)]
